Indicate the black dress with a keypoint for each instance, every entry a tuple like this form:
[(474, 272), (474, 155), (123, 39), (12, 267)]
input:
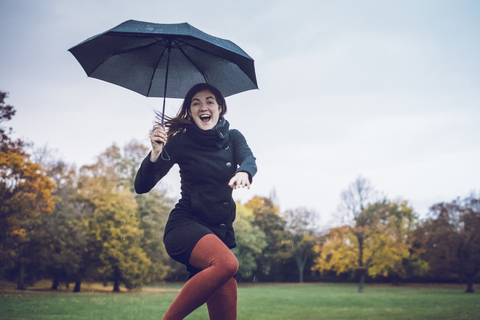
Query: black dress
[(208, 159)]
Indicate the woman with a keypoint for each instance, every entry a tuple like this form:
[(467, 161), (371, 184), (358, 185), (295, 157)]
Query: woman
[(213, 160)]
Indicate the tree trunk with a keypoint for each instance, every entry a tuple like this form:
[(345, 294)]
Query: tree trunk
[(116, 280), (21, 276), (469, 285), (116, 286), (55, 284), (78, 283), (361, 285), (3, 255), (301, 266), (361, 268), (395, 280)]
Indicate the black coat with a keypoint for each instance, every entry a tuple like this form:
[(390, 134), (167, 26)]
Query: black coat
[(208, 159)]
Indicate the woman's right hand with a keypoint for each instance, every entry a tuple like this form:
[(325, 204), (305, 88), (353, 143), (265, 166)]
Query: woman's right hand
[(158, 138)]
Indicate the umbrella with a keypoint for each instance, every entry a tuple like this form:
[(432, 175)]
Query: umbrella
[(145, 57)]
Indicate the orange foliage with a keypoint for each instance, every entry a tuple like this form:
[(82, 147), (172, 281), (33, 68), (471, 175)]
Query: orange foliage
[(24, 192)]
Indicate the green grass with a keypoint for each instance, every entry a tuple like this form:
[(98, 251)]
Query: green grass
[(275, 301)]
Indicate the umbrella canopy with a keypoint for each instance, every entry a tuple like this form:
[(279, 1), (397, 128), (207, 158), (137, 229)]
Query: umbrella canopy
[(145, 57)]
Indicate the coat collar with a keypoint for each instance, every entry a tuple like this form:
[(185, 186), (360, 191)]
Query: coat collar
[(217, 136)]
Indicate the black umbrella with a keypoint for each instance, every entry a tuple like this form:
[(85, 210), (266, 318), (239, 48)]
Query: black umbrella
[(144, 57)]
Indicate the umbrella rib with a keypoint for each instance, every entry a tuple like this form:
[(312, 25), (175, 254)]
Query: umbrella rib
[(207, 51), (122, 52), (178, 42), (135, 48), (188, 58), (154, 71)]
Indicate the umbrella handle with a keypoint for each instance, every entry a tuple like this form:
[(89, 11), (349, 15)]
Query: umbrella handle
[(166, 80)]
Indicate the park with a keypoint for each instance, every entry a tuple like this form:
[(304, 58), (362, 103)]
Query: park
[(88, 228), (342, 183), (315, 301)]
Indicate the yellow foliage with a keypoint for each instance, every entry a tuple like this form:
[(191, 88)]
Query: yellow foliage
[(261, 205), (243, 210), (18, 235), (25, 191), (339, 252), (386, 242), (115, 227)]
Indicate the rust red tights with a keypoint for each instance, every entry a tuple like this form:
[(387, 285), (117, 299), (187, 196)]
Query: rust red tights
[(214, 285)]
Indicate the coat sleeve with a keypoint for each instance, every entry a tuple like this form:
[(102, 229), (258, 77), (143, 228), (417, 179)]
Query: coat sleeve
[(243, 155), (151, 172)]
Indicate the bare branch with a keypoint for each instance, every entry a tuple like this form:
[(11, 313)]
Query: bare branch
[(355, 198)]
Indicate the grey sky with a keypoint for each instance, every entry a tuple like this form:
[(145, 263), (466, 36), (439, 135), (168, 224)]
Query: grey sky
[(384, 89)]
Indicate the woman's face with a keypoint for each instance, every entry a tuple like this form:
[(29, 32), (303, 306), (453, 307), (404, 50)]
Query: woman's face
[(205, 110)]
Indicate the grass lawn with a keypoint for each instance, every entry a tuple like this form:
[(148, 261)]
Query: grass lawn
[(266, 301)]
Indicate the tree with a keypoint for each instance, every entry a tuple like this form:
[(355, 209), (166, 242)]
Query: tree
[(250, 243), (112, 176), (453, 239), (63, 237), (380, 243), (6, 114), (114, 233), (392, 252), (273, 256), (302, 225), (152, 213), (25, 191), (153, 209), (354, 199), (339, 252)]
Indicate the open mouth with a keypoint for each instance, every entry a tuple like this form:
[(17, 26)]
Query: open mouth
[(205, 117)]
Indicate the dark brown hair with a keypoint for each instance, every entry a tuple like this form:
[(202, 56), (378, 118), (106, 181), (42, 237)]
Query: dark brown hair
[(183, 118)]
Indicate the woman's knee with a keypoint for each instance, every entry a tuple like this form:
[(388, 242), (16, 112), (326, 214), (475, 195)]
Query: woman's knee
[(225, 263), (231, 265), (210, 251)]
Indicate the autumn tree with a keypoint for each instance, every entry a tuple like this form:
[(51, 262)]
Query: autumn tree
[(453, 239), (338, 252), (153, 209), (379, 233), (387, 243), (353, 201), (113, 230), (63, 238), (276, 252), (250, 243), (25, 192), (392, 251)]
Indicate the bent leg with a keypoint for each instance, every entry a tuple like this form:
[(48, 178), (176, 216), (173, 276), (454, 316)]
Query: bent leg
[(218, 265)]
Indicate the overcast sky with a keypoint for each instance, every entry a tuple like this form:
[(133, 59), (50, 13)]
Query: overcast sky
[(389, 90)]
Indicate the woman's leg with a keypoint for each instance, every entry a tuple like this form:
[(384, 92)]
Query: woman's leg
[(223, 304), (218, 265)]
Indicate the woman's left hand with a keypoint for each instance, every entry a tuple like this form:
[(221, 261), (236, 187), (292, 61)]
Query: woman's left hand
[(239, 180)]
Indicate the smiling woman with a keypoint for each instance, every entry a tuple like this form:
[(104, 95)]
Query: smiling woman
[(205, 110), (213, 161), (200, 93)]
